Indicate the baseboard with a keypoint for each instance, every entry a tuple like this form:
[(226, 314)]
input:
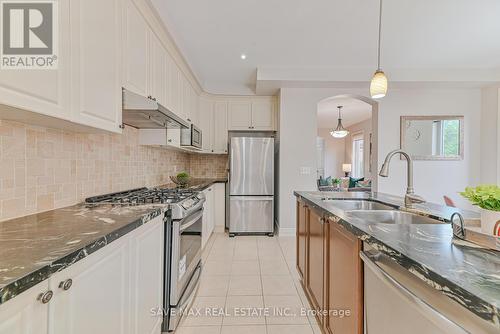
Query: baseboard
[(287, 231)]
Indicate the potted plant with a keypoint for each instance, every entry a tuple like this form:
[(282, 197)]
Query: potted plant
[(487, 197), (181, 179)]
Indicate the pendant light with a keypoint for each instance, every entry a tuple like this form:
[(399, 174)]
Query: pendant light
[(340, 131), (378, 85)]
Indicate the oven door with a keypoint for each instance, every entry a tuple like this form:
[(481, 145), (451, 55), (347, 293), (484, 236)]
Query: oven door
[(186, 253)]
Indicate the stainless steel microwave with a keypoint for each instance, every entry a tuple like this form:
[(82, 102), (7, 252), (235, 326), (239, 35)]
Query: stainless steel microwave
[(191, 137)]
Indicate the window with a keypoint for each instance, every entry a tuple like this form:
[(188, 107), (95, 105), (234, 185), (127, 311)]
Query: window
[(358, 155), (447, 139)]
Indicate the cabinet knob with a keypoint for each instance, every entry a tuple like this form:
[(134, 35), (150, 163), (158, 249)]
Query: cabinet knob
[(170, 140), (45, 297), (66, 285)]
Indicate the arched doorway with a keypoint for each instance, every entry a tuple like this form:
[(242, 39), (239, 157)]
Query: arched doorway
[(356, 153)]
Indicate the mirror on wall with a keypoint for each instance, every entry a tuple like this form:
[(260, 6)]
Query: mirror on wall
[(433, 137)]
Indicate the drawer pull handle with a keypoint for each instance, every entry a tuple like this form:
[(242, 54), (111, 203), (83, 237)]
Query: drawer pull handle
[(66, 285), (45, 297)]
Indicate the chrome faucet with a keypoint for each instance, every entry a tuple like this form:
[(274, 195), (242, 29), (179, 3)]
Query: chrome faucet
[(410, 197)]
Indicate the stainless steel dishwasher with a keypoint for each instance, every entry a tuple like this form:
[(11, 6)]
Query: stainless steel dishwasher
[(396, 301)]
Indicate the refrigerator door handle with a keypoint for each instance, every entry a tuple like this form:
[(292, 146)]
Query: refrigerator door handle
[(252, 198)]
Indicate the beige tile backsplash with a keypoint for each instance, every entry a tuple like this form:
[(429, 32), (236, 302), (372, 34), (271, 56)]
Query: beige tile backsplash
[(208, 165), (43, 168)]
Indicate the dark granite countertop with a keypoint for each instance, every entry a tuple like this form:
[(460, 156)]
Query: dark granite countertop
[(36, 246), (466, 273), (197, 184)]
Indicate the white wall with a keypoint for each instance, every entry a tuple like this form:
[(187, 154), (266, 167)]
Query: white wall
[(366, 128), (334, 153), (433, 179), (489, 136)]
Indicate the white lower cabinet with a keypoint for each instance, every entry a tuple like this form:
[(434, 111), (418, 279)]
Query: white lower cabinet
[(219, 207), (146, 278), (97, 299), (117, 289), (25, 314), (208, 215)]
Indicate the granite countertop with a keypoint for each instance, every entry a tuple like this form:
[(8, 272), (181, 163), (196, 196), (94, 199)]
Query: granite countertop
[(197, 184), (36, 246), (466, 273)]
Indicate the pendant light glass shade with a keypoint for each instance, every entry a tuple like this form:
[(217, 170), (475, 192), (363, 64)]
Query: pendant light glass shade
[(378, 85), (339, 131)]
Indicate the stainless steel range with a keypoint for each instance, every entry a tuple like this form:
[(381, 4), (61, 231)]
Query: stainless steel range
[(183, 227)]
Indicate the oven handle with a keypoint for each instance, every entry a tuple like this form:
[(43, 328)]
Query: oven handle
[(195, 216)]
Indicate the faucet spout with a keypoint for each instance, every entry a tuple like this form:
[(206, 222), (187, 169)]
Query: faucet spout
[(410, 196)]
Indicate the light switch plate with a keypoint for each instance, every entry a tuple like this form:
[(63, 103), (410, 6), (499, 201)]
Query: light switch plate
[(305, 170)]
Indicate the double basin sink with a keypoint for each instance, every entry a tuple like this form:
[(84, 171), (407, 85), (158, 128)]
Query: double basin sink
[(375, 212)]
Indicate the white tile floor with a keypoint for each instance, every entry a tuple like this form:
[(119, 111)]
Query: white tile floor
[(246, 282)]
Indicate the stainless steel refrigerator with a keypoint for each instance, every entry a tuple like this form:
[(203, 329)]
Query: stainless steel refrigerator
[(251, 185)]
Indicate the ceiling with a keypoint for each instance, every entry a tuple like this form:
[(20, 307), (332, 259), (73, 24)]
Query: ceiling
[(353, 111), (419, 36)]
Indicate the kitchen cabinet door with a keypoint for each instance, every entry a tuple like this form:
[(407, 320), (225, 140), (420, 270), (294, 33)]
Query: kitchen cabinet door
[(176, 88), (262, 115), (240, 115), (44, 91), (207, 124), (315, 272), (97, 301), (220, 128), (146, 251), (187, 100), (135, 51), (301, 242), (96, 66), (157, 69), (25, 313), (219, 207), (208, 215), (345, 283)]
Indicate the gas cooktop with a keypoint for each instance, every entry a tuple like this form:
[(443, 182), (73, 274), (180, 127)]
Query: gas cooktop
[(142, 196)]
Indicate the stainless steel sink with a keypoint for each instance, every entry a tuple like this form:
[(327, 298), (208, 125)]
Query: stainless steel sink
[(393, 217), (349, 205)]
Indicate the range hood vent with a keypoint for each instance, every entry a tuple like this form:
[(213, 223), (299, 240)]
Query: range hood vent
[(145, 113)]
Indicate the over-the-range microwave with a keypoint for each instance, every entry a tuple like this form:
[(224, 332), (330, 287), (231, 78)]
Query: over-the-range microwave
[(191, 137)]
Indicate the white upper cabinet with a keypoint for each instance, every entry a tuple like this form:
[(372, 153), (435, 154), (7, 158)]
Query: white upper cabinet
[(158, 72), (175, 88), (206, 124), (262, 115), (220, 127), (240, 115), (252, 114), (44, 91), (135, 51), (96, 97)]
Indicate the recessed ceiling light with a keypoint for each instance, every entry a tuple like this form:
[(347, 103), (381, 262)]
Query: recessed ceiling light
[(243, 56)]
